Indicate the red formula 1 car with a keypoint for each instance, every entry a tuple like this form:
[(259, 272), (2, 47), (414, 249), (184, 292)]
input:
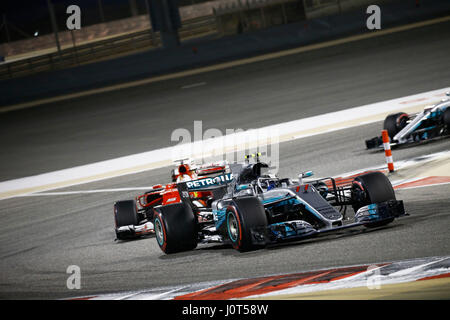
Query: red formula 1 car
[(134, 218)]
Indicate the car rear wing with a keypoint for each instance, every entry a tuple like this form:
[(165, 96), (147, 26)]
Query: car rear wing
[(216, 185)]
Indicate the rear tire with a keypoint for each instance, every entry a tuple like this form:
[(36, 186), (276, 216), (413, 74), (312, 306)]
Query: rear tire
[(125, 214), (242, 216), (370, 188), (175, 228), (394, 123)]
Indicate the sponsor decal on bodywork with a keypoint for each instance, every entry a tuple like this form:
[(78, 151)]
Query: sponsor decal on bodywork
[(209, 182)]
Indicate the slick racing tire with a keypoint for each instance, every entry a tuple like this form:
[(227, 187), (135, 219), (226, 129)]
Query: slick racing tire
[(125, 214), (446, 118), (370, 188), (246, 224), (394, 123), (175, 228)]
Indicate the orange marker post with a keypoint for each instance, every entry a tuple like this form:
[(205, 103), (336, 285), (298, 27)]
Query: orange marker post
[(387, 150)]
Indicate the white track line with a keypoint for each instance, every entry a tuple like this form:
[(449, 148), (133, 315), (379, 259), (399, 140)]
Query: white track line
[(194, 85), (359, 280), (401, 165), (414, 269), (63, 193), (362, 280), (360, 275), (424, 186), (159, 158)]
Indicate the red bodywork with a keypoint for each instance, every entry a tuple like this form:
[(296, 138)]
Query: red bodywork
[(168, 194)]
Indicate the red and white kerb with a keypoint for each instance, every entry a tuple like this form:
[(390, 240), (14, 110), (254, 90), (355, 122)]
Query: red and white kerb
[(387, 150)]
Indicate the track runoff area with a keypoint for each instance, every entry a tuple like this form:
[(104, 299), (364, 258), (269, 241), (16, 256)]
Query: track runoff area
[(427, 278)]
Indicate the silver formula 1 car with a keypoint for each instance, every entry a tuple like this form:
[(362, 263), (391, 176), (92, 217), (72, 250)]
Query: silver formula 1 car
[(250, 208), (403, 128)]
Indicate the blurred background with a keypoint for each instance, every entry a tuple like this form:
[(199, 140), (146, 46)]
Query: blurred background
[(169, 35), (29, 42)]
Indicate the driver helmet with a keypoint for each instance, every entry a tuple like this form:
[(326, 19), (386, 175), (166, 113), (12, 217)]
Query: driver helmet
[(271, 185)]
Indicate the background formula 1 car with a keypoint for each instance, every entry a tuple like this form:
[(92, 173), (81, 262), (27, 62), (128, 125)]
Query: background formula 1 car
[(405, 128), (187, 170), (134, 218), (251, 209)]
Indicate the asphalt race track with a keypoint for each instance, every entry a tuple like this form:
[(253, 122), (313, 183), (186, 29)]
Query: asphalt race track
[(40, 236)]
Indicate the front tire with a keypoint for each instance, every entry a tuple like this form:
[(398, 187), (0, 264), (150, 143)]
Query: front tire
[(370, 188), (175, 228), (125, 214), (394, 123), (246, 224)]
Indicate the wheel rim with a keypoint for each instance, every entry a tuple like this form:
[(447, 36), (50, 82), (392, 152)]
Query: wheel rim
[(159, 232), (233, 228)]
